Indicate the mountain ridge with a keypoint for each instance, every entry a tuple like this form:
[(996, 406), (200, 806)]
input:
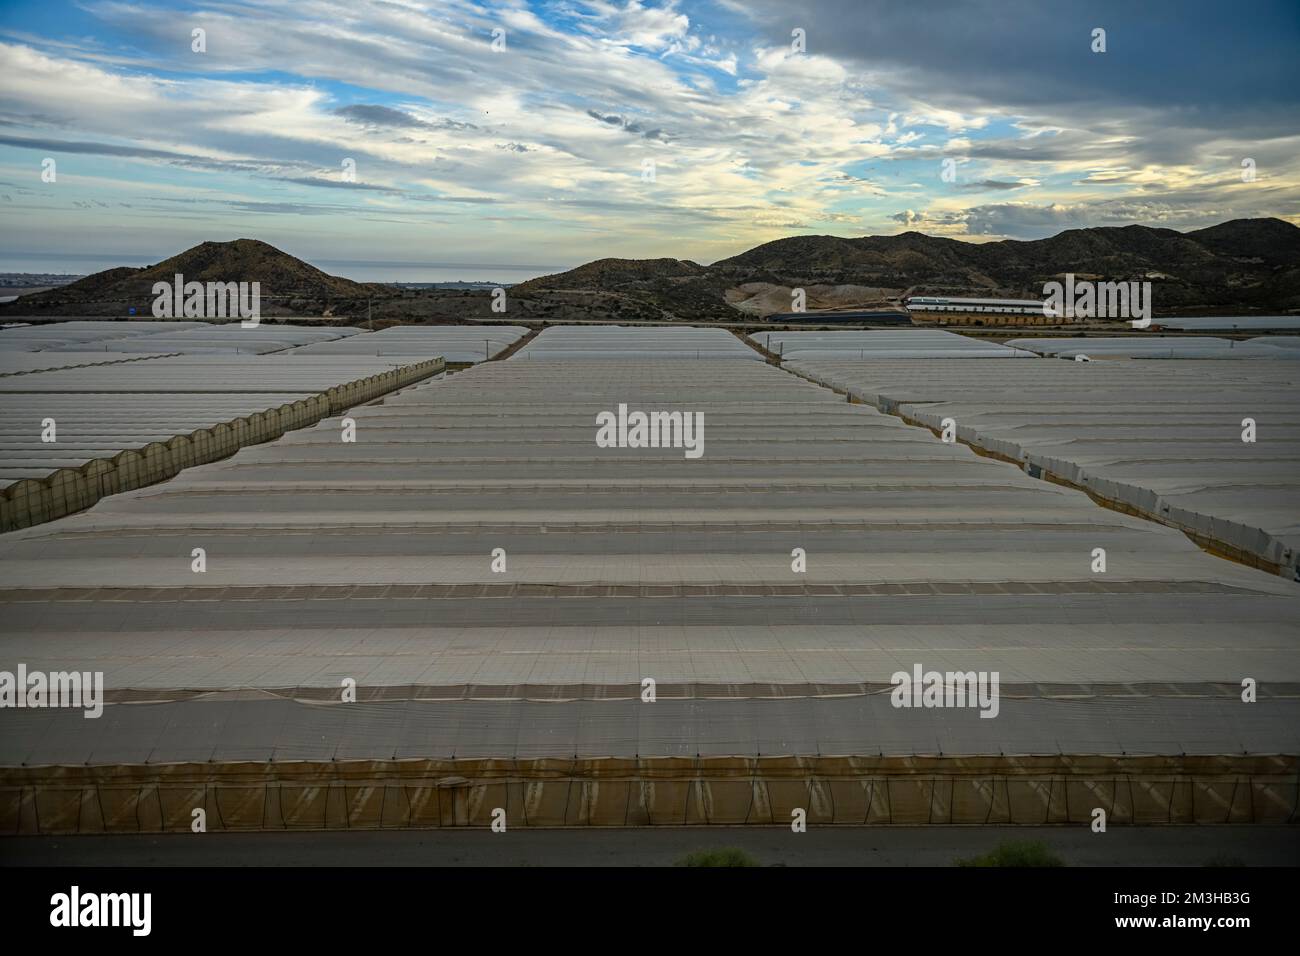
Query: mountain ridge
[(1241, 264)]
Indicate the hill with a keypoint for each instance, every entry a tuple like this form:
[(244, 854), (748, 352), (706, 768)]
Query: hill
[(639, 289), (1242, 265), (610, 273), (1269, 240), (1238, 267), (289, 286)]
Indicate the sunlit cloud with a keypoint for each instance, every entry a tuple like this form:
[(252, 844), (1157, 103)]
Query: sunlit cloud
[(626, 128)]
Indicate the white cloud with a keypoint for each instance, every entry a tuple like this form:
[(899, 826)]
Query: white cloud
[(737, 161)]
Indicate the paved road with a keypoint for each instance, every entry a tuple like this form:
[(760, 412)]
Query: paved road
[(838, 846)]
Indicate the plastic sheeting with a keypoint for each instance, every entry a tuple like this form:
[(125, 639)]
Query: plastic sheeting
[(455, 343), (634, 343), (14, 362), (162, 337), (372, 560), (881, 343), (1164, 439), (284, 730), (1226, 323), (102, 409), (117, 440), (93, 335), (1153, 347)]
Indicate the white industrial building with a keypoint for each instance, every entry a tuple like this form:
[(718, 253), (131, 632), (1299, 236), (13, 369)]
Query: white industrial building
[(924, 303)]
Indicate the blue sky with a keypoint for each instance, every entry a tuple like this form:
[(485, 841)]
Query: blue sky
[(535, 156)]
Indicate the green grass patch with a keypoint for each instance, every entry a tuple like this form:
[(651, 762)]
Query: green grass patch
[(726, 856), (1016, 853)]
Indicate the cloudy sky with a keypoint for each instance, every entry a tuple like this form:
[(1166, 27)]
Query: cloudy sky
[(497, 140)]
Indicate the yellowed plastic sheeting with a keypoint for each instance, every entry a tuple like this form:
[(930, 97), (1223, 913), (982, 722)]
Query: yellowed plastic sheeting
[(68, 490), (650, 792)]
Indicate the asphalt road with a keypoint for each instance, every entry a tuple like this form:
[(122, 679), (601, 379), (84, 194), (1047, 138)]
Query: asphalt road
[(834, 846)]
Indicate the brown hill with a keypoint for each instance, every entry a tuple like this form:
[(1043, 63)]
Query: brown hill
[(1238, 266), (288, 285), (610, 274), (640, 289), (1242, 264), (1270, 240), (912, 257)]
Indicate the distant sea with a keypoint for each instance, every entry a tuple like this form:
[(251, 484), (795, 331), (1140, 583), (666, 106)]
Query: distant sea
[(357, 270), (434, 271)]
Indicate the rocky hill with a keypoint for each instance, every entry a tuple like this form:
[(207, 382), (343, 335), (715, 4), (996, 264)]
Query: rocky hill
[(1269, 240), (289, 286), (639, 289), (611, 273), (1243, 265), (1238, 267)]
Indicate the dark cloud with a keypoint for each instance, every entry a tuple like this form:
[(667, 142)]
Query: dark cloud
[(373, 115), (1213, 63), (97, 149), (369, 114), (31, 119), (471, 200), (294, 208), (336, 184), (1021, 221), (984, 185), (627, 125), (909, 218), (133, 152), (1186, 209)]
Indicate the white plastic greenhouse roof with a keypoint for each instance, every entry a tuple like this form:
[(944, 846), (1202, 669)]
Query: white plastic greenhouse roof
[(1229, 322), (374, 561), (1154, 347), (100, 410), (881, 343), (163, 337), (455, 343), (88, 335), (635, 343), (231, 337), (218, 374), (1162, 437), (14, 362), (1278, 341)]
